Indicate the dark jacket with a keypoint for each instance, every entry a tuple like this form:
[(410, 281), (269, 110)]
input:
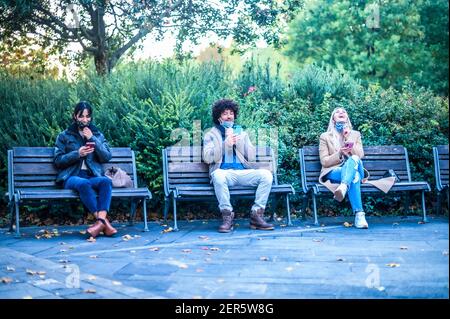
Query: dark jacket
[(68, 160)]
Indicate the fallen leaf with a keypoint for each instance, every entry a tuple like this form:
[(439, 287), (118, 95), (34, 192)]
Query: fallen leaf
[(8, 268), (116, 283), (30, 272), (445, 253), (347, 224), (126, 237), (403, 248), (132, 251), (421, 222), (91, 240), (204, 248), (153, 249), (137, 236), (203, 237), (214, 248), (199, 270), (183, 266), (6, 280), (283, 225), (395, 224), (264, 258), (340, 259), (167, 230), (93, 256), (62, 250), (63, 261), (381, 288), (220, 280), (322, 225), (393, 265), (90, 291), (41, 273), (317, 240), (289, 268), (92, 278), (82, 232), (186, 250), (62, 243)]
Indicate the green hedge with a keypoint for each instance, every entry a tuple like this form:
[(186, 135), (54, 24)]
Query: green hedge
[(141, 104)]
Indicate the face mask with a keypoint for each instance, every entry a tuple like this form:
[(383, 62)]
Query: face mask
[(340, 126), (227, 124), (81, 125)]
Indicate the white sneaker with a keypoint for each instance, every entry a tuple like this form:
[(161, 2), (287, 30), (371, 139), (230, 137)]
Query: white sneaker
[(360, 220), (339, 193)]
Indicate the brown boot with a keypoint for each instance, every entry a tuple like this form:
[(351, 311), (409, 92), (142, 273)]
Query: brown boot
[(109, 229), (257, 220), (227, 225), (95, 229)]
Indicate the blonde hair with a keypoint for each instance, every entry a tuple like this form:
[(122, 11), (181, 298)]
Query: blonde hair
[(332, 129)]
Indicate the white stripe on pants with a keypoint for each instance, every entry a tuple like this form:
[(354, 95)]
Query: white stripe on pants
[(224, 178)]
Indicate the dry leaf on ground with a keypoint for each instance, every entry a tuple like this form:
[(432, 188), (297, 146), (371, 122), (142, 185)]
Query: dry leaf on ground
[(393, 265)]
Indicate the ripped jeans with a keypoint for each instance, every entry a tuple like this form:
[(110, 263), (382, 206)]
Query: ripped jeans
[(350, 173)]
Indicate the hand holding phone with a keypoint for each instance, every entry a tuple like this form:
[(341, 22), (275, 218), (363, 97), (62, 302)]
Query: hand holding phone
[(90, 145), (348, 144)]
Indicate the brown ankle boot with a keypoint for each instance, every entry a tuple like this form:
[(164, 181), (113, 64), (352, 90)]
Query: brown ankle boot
[(95, 229), (227, 225), (257, 220), (109, 229)]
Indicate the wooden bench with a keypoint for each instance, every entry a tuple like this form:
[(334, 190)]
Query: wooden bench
[(32, 177), (377, 160), (440, 154), (186, 178)]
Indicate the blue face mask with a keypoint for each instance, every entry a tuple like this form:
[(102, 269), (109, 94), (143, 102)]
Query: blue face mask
[(227, 124), (340, 126)]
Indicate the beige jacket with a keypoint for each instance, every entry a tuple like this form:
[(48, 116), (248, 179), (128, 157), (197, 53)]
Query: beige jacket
[(330, 159), (214, 148)]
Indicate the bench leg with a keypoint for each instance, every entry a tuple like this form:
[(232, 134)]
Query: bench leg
[(439, 203), (11, 215), (406, 206), (175, 225), (423, 208), (304, 206), (132, 213), (316, 221), (166, 208), (144, 203), (16, 204), (288, 208)]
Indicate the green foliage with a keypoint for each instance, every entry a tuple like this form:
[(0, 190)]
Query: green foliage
[(149, 106), (376, 41)]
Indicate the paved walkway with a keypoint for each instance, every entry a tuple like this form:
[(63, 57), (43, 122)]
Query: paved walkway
[(395, 258)]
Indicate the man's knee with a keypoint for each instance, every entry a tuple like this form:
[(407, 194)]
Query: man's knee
[(219, 177), (266, 176), (105, 181), (84, 185)]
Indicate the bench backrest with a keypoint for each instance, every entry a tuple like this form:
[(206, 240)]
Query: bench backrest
[(33, 167), (184, 166), (441, 158), (377, 160)]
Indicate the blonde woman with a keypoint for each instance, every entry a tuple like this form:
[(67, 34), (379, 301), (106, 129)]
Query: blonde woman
[(341, 152)]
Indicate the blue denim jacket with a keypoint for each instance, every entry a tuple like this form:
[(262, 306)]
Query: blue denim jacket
[(68, 160)]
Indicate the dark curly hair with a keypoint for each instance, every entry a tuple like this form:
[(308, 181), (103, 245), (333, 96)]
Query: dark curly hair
[(220, 106)]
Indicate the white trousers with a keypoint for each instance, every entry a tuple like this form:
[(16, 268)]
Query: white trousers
[(224, 178)]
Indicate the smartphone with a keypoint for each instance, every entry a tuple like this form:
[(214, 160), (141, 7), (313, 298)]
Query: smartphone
[(90, 144), (348, 144)]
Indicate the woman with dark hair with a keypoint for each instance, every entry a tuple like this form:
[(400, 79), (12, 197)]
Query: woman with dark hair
[(79, 152)]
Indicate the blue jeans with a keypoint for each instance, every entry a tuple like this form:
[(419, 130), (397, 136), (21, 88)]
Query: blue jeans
[(350, 174), (86, 186)]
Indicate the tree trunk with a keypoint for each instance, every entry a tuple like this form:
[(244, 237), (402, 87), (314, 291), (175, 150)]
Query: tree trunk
[(101, 63)]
